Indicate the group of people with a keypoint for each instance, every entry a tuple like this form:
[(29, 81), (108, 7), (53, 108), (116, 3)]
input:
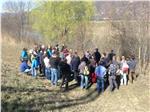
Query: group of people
[(59, 62)]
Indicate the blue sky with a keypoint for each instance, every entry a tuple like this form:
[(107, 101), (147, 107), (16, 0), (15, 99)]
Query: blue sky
[(3, 1)]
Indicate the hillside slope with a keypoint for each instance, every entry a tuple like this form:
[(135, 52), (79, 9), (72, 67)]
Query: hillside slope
[(23, 93)]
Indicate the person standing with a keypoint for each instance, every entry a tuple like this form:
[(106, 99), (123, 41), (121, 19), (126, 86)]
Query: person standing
[(54, 61), (84, 73), (112, 71), (24, 54), (69, 58), (110, 55), (100, 72), (132, 65), (124, 71), (74, 65), (97, 56), (47, 67), (65, 71), (34, 67)]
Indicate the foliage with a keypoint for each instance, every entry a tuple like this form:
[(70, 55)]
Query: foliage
[(60, 19)]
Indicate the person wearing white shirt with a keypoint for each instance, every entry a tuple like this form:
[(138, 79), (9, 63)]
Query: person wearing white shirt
[(69, 58), (47, 67)]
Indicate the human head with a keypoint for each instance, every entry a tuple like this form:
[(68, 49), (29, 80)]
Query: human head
[(104, 54), (96, 49), (76, 53), (118, 58), (101, 63), (123, 57), (25, 49), (112, 51), (132, 57), (114, 58)]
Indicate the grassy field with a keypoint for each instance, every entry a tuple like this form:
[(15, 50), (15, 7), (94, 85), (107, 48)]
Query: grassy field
[(22, 93)]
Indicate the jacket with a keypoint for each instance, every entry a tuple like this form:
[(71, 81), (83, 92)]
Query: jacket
[(34, 63), (97, 56), (82, 67), (24, 66), (54, 61), (75, 63), (132, 64), (24, 54), (100, 71)]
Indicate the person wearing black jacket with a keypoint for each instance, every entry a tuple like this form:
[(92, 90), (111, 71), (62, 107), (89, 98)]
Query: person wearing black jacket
[(97, 56), (65, 71), (74, 65), (54, 62), (110, 55), (84, 58)]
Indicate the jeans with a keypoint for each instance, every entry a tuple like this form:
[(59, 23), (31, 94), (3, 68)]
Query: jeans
[(112, 82), (123, 79), (84, 81), (33, 72), (48, 73), (54, 76), (100, 84)]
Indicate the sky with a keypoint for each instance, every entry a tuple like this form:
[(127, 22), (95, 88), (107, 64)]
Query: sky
[(3, 1)]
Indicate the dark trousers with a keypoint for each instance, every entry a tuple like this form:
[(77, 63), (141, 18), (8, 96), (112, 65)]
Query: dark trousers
[(76, 77), (64, 81), (132, 76), (42, 69), (112, 82)]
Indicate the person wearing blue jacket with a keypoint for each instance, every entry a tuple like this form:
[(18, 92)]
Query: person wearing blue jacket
[(49, 52), (24, 54), (100, 72), (34, 66), (24, 67)]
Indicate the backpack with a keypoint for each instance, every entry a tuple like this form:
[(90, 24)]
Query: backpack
[(93, 78), (86, 71), (112, 69)]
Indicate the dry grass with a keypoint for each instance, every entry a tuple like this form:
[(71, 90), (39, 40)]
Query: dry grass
[(23, 93)]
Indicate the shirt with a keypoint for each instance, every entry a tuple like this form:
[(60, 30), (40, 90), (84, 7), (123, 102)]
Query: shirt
[(68, 59), (46, 62), (100, 71)]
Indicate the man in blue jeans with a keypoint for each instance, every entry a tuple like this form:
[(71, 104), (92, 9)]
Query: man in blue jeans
[(54, 61), (100, 72)]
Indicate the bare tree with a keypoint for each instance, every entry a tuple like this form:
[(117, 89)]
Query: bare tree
[(15, 18), (134, 32)]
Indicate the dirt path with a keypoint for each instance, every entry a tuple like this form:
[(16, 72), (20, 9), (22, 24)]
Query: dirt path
[(23, 93)]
